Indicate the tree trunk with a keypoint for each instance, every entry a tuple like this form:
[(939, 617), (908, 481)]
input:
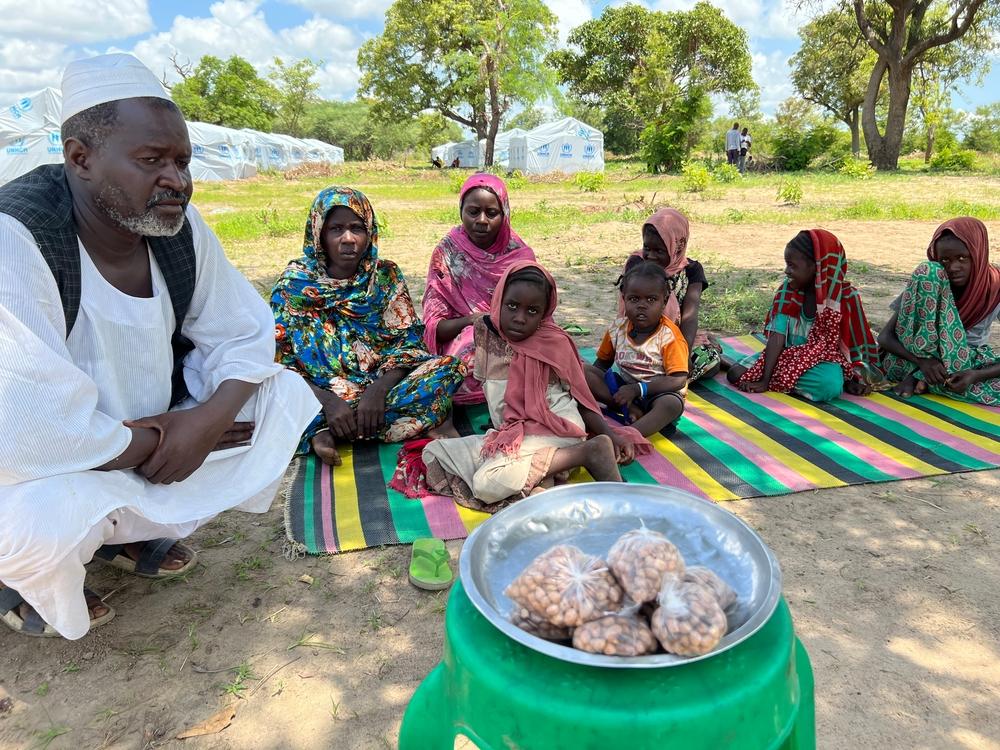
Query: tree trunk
[(853, 122), (883, 149), (929, 147)]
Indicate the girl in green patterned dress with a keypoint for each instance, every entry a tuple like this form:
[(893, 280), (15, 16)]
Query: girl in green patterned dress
[(938, 336)]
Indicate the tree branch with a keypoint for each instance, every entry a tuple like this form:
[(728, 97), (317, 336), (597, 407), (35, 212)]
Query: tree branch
[(866, 29), (956, 29)]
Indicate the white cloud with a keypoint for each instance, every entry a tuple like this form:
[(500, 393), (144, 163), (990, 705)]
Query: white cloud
[(765, 19), (238, 27), (770, 71), (571, 13), (337, 9), (75, 22)]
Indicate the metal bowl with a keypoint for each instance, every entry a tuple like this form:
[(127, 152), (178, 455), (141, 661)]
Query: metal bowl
[(592, 516)]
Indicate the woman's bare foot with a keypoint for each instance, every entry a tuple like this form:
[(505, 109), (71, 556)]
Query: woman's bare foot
[(920, 387), (444, 430), (908, 386), (325, 447)]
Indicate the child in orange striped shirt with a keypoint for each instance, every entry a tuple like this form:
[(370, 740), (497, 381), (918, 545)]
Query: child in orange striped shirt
[(642, 363)]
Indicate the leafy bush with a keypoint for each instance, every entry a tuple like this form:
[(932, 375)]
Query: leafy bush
[(790, 192), (516, 180), (666, 142), (589, 182), (857, 168), (726, 173), (957, 160), (795, 148), (456, 179), (695, 177)]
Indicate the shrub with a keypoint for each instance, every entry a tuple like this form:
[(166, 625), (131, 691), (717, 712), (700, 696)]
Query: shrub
[(957, 160), (455, 180), (790, 192), (726, 173), (515, 180), (589, 182), (795, 148), (857, 168), (695, 177)]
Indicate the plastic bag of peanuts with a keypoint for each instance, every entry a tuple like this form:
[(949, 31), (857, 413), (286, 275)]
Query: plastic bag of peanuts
[(724, 593), (566, 587), (640, 559), (621, 634), (689, 620), (532, 623)]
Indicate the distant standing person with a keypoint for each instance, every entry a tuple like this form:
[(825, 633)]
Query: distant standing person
[(733, 144), (745, 141)]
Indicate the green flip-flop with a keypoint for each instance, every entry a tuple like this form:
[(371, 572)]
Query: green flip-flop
[(575, 329), (429, 567)]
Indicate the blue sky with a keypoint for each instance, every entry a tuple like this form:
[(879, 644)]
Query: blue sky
[(39, 37)]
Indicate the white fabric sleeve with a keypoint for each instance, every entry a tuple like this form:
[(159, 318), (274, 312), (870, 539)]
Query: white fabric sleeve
[(48, 406), (231, 327)]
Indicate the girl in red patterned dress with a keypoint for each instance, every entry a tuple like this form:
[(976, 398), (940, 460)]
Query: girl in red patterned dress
[(819, 343)]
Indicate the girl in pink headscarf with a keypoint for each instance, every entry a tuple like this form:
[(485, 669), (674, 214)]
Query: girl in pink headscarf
[(464, 271), (664, 242), (545, 420)]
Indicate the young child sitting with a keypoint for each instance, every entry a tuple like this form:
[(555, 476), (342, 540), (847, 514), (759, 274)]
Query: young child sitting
[(538, 401), (641, 368), (819, 343)]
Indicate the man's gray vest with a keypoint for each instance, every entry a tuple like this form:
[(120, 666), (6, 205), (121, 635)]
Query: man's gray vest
[(41, 201)]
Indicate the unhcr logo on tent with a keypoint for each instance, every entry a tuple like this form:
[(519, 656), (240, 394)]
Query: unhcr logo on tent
[(198, 151), (543, 150), (589, 151), (16, 148), (20, 109), (55, 142), (274, 153), (567, 151), (224, 150)]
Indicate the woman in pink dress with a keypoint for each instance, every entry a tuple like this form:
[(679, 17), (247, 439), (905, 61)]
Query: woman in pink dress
[(464, 271)]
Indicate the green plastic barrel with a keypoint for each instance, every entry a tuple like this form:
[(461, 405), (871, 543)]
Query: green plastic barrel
[(503, 696)]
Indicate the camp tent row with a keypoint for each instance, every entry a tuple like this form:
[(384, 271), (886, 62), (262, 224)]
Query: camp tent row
[(566, 145), (29, 137)]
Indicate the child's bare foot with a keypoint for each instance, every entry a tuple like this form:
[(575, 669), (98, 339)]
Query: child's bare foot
[(734, 373), (325, 447), (634, 412), (444, 430), (600, 459), (560, 477)]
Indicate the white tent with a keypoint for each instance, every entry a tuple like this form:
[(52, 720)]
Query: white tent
[(29, 137), (219, 153), (441, 152), (29, 134), (501, 147), (469, 154), (567, 145)]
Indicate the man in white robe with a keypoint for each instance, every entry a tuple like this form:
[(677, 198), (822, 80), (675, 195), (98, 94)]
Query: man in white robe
[(96, 447)]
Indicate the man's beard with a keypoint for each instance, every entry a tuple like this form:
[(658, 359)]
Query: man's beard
[(111, 200)]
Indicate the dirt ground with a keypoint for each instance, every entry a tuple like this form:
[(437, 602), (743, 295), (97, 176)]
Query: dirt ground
[(893, 587)]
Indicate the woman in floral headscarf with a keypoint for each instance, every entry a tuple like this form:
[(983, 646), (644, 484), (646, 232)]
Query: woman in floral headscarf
[(464, 270), (345, 322), (938, 337)]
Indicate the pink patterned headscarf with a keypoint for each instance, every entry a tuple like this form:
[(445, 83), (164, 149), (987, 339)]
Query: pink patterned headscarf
[(462, 276)]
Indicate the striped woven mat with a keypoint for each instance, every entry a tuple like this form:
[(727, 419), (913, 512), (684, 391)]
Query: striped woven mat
[(729, 445)]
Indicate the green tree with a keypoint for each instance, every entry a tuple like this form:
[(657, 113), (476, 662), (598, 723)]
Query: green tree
[(526, 119), (903, 33), (832, 68), (297, 89), (471, 62), (228, 93), (983, 129), (649, 70)]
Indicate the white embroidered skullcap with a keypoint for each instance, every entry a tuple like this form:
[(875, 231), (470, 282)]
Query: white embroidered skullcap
[(106, 78)]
